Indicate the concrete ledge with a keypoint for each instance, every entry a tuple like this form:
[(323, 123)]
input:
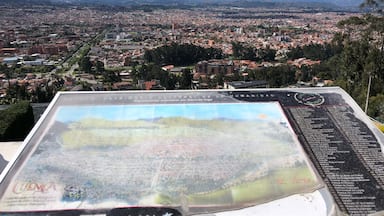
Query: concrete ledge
[(7, 152), (8, 149)]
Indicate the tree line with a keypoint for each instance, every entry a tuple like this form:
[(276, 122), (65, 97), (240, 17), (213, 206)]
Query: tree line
[(181, 54), (244, 51), (358, 65), (169, 81), (354, 60)]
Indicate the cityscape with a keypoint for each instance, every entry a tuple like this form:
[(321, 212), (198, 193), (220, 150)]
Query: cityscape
[(44, 45), (51, 47), (205, 106)]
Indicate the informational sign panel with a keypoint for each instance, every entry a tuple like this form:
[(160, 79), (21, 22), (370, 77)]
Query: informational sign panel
[(195, 152)]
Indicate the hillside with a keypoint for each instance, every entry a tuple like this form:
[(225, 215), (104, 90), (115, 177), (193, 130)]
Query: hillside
[(276, 3)]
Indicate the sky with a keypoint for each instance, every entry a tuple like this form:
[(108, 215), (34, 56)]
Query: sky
[(236, 111)]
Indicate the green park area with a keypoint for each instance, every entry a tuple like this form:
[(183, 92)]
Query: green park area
[(278, 183)]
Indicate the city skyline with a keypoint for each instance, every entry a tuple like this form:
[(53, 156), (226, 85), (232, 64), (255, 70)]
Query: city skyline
[(253, 3)]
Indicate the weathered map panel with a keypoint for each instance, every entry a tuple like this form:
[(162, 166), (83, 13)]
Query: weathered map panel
[(196, 151), (193, 155)]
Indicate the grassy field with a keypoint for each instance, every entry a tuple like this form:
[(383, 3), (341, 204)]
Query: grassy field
[(279, 183), (380, 126)]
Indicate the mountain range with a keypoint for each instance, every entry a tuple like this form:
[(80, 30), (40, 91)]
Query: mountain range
[(339, 3)]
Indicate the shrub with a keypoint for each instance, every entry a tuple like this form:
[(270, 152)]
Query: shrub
[(16, 122)]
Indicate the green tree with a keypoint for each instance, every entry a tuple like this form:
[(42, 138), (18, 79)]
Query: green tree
[(295, 53), (361, 63), (315, 51), (376, 108), (41, 95), (135, 74), (280, 76), (85, 64), (362, 57), (266, 54), (243, 51), (16, 122), (186, 79), (181, 54), (110, 76), (8, 72), (99, 67), (375, 4)]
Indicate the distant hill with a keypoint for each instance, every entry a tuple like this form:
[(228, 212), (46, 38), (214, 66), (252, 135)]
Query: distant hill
[(339, 3), (25, 1)]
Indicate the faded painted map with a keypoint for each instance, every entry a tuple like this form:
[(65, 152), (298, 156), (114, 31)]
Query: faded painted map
[(201, 157)]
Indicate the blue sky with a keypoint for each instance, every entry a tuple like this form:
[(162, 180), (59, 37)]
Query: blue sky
[(236, 111)]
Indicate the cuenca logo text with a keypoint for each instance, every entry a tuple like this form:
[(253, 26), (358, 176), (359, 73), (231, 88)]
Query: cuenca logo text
[(33, 187)]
